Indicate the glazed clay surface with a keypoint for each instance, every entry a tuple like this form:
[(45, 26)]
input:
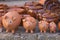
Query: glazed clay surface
[(11, 20), (29, 24)]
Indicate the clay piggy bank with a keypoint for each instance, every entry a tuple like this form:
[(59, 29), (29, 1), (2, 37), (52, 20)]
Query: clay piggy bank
[(11, 21), (59, 25), (43, 25), (29, 24), (52, 27)]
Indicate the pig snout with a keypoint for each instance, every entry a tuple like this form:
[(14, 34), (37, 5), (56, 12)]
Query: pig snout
[(9, 22)]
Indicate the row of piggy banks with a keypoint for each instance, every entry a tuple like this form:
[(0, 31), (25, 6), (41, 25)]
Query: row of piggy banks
[(12, 19)]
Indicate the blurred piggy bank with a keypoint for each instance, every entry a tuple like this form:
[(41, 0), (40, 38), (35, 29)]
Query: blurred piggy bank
[(52, 27), (29, 24), (43, 26), (11, 21)]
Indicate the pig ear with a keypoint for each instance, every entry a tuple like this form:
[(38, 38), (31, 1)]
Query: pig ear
[(5, 17), (30, 11), (39, 22), (23, 20), (21, 16), (13, 18), (2, 16)]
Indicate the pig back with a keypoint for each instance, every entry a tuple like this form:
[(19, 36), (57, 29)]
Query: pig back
[(31, 19)]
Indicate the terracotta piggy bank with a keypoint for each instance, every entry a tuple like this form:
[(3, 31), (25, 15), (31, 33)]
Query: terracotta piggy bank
[(11, 21), (29, 24), (43, 25), (59, 25), (52, 27)]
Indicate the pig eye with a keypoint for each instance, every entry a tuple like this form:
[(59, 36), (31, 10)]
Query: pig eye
[(24, 20), (6, 17), (10, 21), (13, 18)]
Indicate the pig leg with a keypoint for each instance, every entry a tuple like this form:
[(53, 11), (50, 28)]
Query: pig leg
[(13, 31), (1, 29), (44, 31), (7, 30), (54, 31), (26, 30), (50, 31), (31, 31), (41, 31)]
